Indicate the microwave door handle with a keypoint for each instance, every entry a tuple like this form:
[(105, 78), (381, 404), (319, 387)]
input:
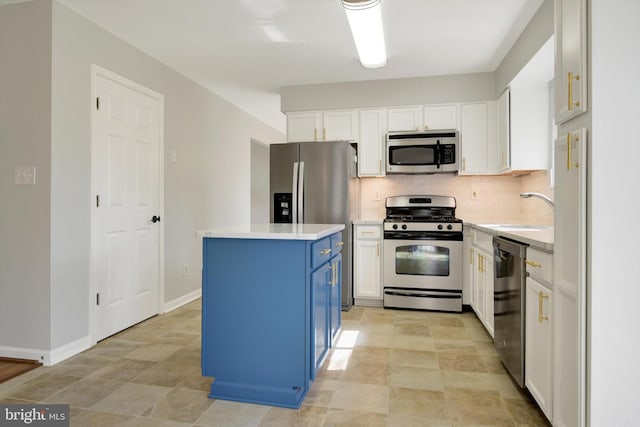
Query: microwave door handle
[(294, 194), (438, 148), (301, 193)]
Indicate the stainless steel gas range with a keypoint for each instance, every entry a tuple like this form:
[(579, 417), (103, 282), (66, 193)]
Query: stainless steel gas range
[(422, 253)]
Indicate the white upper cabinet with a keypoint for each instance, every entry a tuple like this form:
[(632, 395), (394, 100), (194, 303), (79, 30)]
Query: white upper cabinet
[(530, 134), (404, 118), (440, 117), (427, 117), (523, 133), (340, 125), (571, 59), (304, 126), (371, 143), (322, 125), (503, 132), (477, 138)]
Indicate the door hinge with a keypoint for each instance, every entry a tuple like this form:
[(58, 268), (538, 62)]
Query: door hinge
[(98, 298), (97, 102), (97, 200)]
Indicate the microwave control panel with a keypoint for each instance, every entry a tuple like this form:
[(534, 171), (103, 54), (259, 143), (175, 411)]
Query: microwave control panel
[(448, 155)]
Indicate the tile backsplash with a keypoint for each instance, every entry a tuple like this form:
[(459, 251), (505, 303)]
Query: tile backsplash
[(480, 199)]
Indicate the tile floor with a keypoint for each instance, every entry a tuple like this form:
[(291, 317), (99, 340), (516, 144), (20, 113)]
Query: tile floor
[(389, 368)]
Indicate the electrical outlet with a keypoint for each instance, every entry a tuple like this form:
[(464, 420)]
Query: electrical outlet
[(474, 194), (185, 270), (25, 175), (377, 196)]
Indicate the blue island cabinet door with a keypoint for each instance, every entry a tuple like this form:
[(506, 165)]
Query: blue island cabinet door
[(336, 296), (319, 316)]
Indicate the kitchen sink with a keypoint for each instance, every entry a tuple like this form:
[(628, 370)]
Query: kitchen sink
[(518, 227)]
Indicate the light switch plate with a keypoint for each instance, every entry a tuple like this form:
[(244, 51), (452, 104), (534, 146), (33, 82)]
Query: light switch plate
[(25, 175)]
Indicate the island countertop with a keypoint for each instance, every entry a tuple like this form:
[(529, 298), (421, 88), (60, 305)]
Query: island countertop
[(274, 231)]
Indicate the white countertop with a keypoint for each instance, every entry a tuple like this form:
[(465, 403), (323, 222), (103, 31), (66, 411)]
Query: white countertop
[(274, 231), (540, 237)]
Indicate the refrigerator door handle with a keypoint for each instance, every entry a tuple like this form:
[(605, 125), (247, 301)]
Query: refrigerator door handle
[(294, 194), (300, 207)]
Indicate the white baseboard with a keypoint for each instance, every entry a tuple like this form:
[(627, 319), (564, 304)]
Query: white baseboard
[(48, 357), (368, 302), (185, 299), (59, 354)]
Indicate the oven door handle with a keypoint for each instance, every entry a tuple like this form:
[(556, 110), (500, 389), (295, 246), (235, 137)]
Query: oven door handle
[(423, 295)]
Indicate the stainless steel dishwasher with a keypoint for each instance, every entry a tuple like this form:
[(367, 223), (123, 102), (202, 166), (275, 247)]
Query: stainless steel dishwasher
[(509, 304)]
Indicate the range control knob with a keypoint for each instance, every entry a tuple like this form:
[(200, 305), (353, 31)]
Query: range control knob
[(395, 226), (404, 226), (449, 227), (439, 226)]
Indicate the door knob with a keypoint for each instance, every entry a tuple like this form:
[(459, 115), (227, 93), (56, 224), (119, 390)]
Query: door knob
[(155, 219)]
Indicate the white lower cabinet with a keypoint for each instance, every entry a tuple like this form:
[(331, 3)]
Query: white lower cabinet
[(538, 368), (367, 289), (482, 272)]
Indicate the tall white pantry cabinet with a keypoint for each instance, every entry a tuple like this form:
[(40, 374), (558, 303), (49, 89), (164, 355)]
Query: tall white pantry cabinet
[(570, 221)]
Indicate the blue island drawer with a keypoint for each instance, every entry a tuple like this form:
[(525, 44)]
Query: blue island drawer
[(320, 252), (336, 243)]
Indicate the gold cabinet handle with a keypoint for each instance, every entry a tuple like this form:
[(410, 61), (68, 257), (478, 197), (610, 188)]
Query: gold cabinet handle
[(426, 127), (325, 251), (533, 263), (464, 164), (380, 166), (367, 232), (470, 255), (568, 151), (541, 297), (504, 159), (378, 249), (324, 134), (570, 102), (480, 257), (340, 244)]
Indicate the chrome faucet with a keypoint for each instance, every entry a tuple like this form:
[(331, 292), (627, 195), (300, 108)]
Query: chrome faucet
[(540, 196)]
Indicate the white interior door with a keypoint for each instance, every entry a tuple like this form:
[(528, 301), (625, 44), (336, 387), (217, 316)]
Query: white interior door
[(127, 123)]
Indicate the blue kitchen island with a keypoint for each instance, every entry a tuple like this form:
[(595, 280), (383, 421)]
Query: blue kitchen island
[(270, 309)]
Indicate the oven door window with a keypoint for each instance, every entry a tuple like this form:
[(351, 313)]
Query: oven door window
[(414, 155), (422, 260)]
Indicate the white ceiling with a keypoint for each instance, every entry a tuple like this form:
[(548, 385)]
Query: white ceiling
[(245, 50)]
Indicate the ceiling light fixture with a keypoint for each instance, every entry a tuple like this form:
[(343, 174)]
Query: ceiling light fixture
[(365, 20)]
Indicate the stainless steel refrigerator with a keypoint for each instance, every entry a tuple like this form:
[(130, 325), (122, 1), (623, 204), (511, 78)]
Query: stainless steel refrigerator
[(317, 183)]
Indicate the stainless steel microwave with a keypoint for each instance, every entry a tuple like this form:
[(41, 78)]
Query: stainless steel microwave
[(422, 152)]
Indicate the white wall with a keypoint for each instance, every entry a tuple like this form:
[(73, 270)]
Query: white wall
[(25, 140), (536, 33), (208, 186), (614, 201), (259, 182)]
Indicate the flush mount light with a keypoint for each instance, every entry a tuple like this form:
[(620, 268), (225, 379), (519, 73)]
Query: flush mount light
[(365, 20)]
